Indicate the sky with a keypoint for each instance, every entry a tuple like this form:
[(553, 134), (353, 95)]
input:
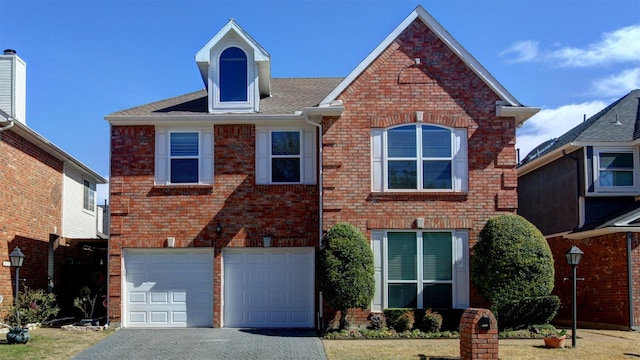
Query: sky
[(89, 58)]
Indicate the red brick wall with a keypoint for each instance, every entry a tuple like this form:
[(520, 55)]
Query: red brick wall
[(602, 297), (144, 215), (30, 208), (388, 93)]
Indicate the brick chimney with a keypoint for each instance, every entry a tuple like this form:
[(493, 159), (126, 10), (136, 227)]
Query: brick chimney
[(13, 86)]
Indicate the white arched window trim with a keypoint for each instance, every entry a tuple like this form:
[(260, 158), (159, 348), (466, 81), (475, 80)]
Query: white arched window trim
[(253, 96)]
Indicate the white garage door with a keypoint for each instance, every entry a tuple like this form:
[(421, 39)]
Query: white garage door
[(168, 288), (269, 287)]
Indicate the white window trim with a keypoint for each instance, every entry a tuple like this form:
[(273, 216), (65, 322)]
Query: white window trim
[(93, 207), (459, 268), (618, 190), (307, 155), (380, 159), (253, 97), (162, 173)]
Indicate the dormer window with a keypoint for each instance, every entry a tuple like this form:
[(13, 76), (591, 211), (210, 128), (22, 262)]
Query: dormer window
[(233, 75)]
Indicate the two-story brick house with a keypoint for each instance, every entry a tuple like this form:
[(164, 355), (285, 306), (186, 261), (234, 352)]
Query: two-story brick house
[(219, 198), (47, 197), (582, 189)]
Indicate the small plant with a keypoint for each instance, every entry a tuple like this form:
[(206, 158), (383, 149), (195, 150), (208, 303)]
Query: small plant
[(86, 302), (376, 321), (556, 334), (405, 322), (34, 306), (431, 322)]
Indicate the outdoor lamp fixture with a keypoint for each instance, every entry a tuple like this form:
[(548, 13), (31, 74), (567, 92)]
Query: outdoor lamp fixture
[(17, 259), (574, 255), (219, 229)]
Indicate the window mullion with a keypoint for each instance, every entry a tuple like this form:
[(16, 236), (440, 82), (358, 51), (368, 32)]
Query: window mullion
[(420, 279), (419, 157)]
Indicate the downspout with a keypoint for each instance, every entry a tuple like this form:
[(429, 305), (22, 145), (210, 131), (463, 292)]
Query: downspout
[(320, 215), (630, 283)]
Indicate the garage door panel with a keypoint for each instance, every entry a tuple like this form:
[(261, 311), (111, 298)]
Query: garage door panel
[(167, 289), (268, 287)]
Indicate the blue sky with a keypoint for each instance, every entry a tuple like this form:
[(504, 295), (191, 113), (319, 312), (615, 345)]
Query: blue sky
[(89, 58)]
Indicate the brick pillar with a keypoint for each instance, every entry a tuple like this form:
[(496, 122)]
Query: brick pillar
[(477, 343)]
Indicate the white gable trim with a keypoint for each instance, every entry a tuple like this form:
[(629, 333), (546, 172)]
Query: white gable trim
[(464, 55), (260, 56)]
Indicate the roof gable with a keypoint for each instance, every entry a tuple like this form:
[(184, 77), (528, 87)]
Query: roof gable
[(232, 31), (421, 14)]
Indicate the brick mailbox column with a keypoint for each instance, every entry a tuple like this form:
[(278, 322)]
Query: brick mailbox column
[(476, 340)]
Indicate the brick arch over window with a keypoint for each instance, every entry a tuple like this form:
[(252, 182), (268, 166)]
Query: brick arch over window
[(453, 121)]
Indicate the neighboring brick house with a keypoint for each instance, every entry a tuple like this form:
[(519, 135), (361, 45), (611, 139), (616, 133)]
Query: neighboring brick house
[(219, 198), (582, 189), (47, 197)]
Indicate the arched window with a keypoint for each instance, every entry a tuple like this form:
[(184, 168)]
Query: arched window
[(233, 75)]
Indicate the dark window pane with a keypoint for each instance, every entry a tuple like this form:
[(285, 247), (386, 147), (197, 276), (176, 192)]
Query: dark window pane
[(285, 143), (403, 296), (436, 174), (402, 175), (436, 141), (616, 161), (437, 255), (402, 142), (402, 256), (233, 75), (285, 170), (436, 296), (184, 144), (184, 171)]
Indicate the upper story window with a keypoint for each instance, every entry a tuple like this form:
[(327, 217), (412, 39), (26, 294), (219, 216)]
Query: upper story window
[(419, 157), (615, 170), (89, 195), (184, 156), (233, 75), (285, 156)]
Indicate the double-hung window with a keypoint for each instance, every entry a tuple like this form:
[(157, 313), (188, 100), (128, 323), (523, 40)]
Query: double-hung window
[(184, 156), (421, 269), (89, 195), (419, 157), (615, 170), (285, 156)]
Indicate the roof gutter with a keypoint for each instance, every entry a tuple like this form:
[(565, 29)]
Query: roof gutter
[(520, 113), (601, 231), (8, 119), (546, 158)]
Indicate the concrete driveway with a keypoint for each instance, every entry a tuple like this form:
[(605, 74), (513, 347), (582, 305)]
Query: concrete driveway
[(207, 343)]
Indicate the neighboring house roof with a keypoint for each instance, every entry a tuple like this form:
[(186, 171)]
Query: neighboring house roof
[(627, 219), (287, 97), (509, 107), (617, 123), (40, 141)]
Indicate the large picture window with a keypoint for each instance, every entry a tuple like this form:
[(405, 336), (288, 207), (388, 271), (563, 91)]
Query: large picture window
[(419, 157), (419, 269)]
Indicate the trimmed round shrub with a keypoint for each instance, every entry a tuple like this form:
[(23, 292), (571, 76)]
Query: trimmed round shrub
[(431, 322), (511, 261), (521, 314), (345, 270), (405, 322)]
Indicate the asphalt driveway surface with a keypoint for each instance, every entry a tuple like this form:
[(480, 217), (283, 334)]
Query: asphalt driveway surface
[(207, 343)]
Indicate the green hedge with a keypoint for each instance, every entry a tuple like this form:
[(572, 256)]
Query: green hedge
[(521, 314)]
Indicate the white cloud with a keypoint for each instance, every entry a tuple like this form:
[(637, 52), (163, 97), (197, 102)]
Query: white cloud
[(617, 85), (523, 50), (551, 123), (619, 46)]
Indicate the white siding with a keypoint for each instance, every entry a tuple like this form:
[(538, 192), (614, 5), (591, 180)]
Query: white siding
[(76, 222), (13, 81)]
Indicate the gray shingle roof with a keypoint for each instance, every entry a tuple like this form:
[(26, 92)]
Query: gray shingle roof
[(618, 122), (287, 96)]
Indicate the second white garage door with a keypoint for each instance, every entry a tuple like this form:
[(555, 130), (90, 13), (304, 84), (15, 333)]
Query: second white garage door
[(269, 287)]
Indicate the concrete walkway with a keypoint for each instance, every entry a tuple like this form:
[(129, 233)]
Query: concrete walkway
[(207, 343)]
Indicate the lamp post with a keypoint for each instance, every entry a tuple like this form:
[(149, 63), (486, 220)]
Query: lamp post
[(574, 255), (17, 259)]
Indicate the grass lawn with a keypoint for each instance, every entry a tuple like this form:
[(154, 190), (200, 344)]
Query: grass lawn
[(592, 344), (51, 343)]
